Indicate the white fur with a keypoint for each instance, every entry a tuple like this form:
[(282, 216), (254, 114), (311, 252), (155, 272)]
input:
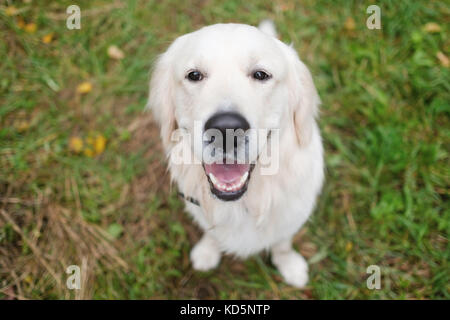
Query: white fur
[(275, 206), (268, 27)]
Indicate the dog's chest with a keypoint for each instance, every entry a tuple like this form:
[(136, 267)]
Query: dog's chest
[(243, 232)]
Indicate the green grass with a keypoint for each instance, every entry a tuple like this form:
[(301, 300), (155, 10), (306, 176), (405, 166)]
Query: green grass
[(385, 125)]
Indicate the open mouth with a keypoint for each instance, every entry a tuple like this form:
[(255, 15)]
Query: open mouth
[(228, 181)]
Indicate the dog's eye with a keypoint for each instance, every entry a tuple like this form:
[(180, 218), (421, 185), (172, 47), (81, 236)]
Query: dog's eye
[(261, 75), (195, 76)]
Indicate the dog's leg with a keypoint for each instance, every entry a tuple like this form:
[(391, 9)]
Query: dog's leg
[(290, 263), (206, 254)]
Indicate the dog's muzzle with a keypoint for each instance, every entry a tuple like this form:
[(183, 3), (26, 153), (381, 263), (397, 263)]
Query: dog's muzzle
[(228, 174)]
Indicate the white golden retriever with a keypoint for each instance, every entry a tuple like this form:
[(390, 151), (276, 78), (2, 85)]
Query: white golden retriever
[(239, 77)]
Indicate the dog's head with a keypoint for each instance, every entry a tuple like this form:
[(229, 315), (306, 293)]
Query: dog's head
[(230, 78)]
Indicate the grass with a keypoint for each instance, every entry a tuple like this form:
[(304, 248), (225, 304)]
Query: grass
[(385, 125)]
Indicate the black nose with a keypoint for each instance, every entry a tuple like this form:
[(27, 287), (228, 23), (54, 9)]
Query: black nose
[(227, 120)]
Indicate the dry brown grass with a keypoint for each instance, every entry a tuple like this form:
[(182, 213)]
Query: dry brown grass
[(61, 237)]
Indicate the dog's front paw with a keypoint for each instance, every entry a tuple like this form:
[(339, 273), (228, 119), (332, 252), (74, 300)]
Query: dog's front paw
[(205, 255), (292, 267)]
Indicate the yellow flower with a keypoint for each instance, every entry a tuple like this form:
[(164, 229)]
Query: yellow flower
[(30, 27), (350, 24), (84, 87), (95, 145), (100, 143), (28, 279), (47, 38), (88, 152), (76, 144), (348, 246), (10, 11)]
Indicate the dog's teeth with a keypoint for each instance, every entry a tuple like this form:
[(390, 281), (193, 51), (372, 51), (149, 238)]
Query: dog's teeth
[(225, 187), (244, 178), (213, 179)]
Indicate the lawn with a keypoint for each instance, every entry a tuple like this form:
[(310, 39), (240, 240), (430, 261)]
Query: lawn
[(83, 179)]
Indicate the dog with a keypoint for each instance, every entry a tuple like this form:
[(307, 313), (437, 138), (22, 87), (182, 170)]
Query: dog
[(240, 77)]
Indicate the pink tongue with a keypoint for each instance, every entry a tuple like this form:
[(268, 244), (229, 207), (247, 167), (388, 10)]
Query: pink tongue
[(227, 173)]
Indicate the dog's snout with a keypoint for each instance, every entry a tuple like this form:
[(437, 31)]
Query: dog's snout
[(227, 120), (229, 124)]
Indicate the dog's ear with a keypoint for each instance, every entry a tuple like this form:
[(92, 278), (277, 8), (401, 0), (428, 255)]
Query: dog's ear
[(268, 27), (305, 100), (161, 98)]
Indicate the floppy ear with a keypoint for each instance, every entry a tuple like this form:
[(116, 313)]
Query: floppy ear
[(161, 99), (304, 100)]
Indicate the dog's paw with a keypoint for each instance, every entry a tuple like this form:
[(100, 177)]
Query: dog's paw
[(292, 267), (205, 256)]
